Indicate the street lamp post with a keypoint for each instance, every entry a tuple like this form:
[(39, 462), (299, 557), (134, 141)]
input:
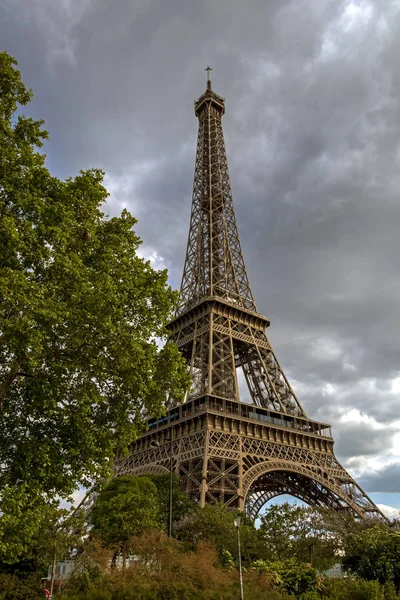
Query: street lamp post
[(53, 570), (170, 490), (156, 444), (237, 525)]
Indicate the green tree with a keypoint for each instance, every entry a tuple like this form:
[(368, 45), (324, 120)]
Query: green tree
[(374, 554), (80, 313), (293, 577), (60, 535), (14, 588), (128, 506), (280, 529), (305, 533), (181, 503), (214, 524), (61, 531)]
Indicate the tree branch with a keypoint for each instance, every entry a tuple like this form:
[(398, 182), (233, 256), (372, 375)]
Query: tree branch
[(8, 381)]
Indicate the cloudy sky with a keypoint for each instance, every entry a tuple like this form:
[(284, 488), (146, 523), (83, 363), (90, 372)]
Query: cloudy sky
[(312, 128)]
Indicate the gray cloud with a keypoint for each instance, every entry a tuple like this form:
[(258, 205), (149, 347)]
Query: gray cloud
[(312, 132), (386, 480), (355, 440)]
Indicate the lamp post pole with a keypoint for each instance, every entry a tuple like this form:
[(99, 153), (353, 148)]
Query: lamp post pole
[(156, 444), (53, 571), (237, 525), (170, 490)]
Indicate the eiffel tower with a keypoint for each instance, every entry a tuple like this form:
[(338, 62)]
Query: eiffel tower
[(241, 454)]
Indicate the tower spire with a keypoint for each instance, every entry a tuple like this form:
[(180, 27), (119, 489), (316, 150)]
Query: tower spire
[(214, 263), (208, 69)]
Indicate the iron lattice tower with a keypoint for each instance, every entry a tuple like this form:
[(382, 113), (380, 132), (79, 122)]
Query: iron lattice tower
[(241, 454)]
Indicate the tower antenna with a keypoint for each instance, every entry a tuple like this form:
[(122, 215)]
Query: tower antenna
[(208, 69)]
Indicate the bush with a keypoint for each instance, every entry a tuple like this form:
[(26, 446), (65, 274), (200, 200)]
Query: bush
[(312, 595), (374, 554), (390, 592), (294, 578), (162, 570), (13, 588), (353, 589), (89, 595)]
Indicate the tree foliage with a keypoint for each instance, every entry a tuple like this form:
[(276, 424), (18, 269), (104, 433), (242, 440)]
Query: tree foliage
[(163, 569), (290, 575), (80, 312), (305, 533), (128, 506), (281, 528), (214, 524), (181, 503), (374, 554), (15, 588), (60, 531)]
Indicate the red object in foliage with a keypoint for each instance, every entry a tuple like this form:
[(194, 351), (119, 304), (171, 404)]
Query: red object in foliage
[(48, 595)]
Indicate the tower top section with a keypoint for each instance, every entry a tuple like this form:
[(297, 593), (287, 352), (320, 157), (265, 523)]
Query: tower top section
[(209, 98), (214, 266)]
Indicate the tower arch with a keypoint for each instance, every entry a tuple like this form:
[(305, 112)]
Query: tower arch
[(268, 480)]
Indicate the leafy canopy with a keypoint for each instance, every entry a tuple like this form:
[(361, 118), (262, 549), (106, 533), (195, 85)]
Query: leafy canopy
[(128, 506), (214, 524), (80, 313), (374, 554), (308, 534), (181, 503)]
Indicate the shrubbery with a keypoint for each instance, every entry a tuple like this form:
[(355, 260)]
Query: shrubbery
[(162, 569), (354, 589), (374, 554), (291, 576), (14, 588)]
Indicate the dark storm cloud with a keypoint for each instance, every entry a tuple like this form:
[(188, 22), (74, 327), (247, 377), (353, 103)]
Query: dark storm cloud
[(361, 439), (313, 138), (386, 480)]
